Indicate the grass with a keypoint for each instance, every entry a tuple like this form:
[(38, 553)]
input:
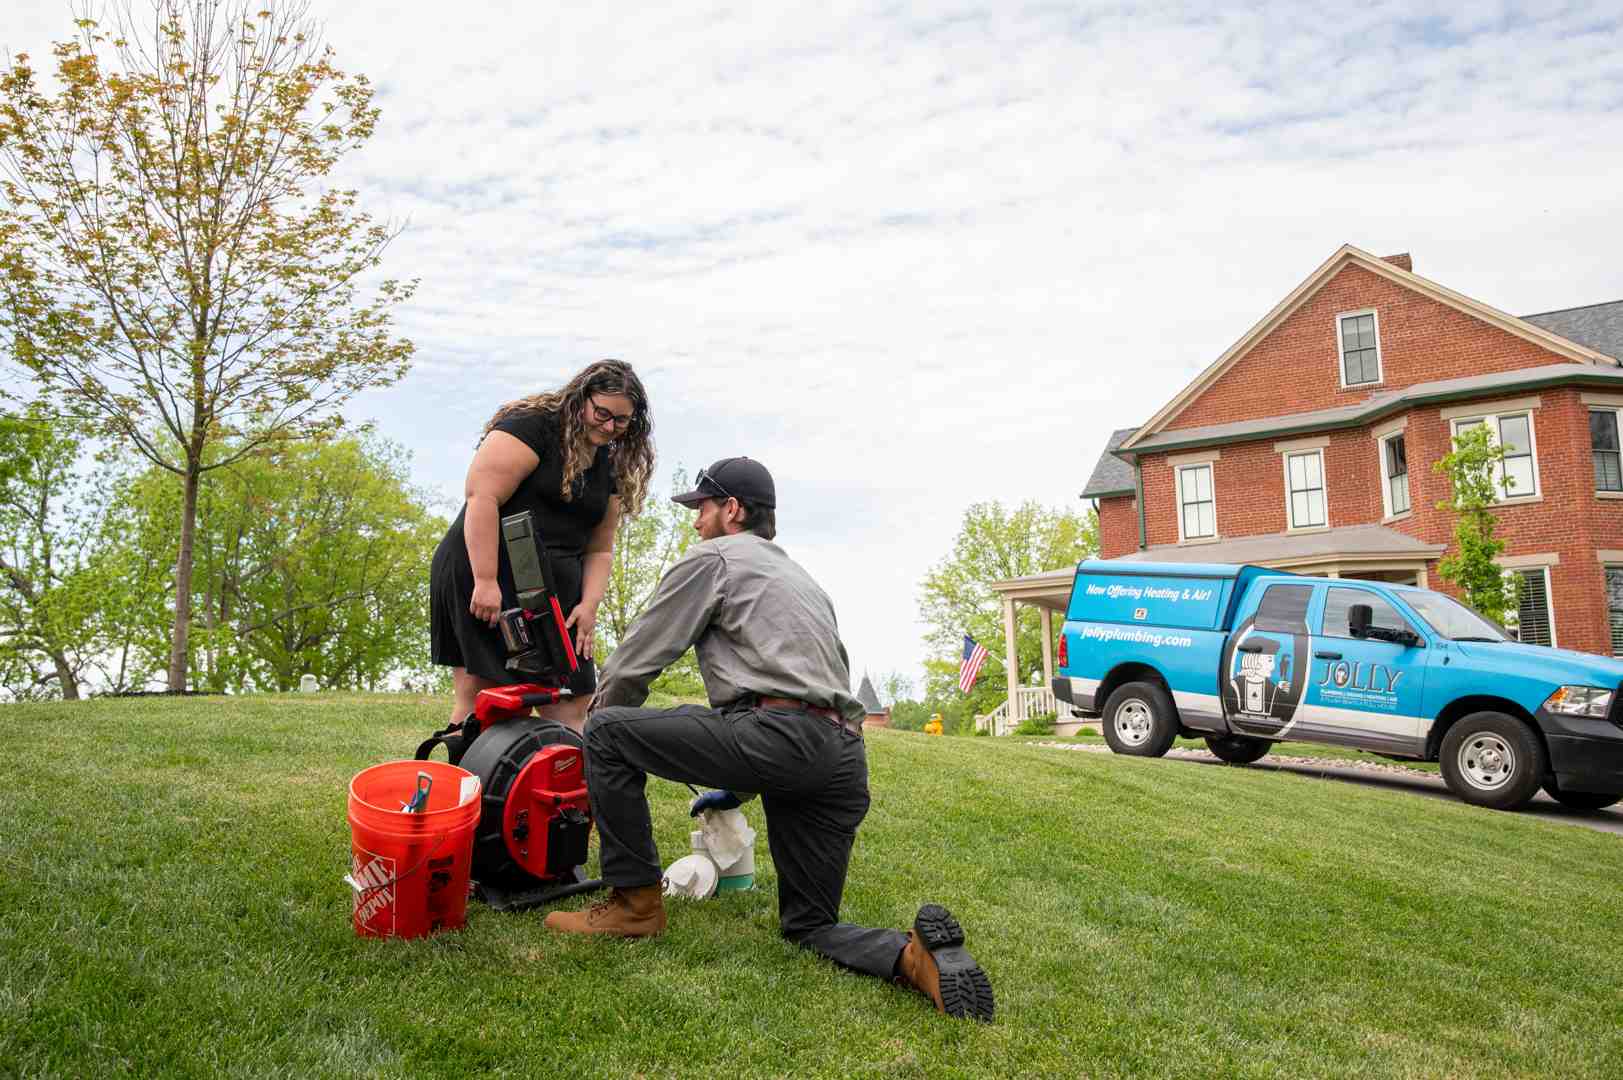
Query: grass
[(171, 904)]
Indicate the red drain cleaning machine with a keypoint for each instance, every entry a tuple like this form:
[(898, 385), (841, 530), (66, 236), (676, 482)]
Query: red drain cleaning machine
[(530, 845)]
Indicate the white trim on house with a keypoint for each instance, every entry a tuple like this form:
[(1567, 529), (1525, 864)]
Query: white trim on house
[(1341, 350), (1194, 457), (1604, 401), (1615, 407), (1489, 408), (1392, 427), (1349, 255), (1178, 475), (1609, 555), (1289, 446), (1324, 491), (1526, 562), (1549, 593), (1386, 481), (1497, 418)]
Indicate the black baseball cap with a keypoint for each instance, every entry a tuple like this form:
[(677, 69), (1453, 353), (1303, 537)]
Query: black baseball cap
[(741, 478)]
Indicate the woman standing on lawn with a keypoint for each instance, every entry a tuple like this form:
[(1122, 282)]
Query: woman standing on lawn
[(575, 458)]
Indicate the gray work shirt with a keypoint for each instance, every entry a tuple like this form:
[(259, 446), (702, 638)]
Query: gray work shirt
[(756, 619)]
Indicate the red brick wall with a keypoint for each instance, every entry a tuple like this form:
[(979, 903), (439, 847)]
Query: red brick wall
[(1118, 526), (1296, 368), (1569, 520)]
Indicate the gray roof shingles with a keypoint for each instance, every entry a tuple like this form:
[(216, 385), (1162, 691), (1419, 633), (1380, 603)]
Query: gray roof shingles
[(869, 699), (1595, 326), (1112, 475)]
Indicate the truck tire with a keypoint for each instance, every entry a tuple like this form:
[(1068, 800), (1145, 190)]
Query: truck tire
[(1238, 749), (1493, 760), (1579, 800), (1139, 720)]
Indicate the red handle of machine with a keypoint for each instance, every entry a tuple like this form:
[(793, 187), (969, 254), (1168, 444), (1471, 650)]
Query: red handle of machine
[(560, 797)]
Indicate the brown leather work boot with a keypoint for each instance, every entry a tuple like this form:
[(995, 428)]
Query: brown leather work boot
[(936, 964), (638, 912)]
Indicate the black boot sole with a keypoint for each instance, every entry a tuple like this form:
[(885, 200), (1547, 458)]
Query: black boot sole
[(965, 989)]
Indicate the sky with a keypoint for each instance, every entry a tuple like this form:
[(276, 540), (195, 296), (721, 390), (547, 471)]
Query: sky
[(918, 256)]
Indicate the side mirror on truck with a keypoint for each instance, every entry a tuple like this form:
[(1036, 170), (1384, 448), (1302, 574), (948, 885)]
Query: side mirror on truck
[(1358, 620)]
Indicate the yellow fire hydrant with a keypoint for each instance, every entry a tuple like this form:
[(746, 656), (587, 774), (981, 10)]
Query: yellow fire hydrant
[(932, 726)]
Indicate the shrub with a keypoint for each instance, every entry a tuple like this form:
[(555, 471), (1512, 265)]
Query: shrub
[(1041, 724)]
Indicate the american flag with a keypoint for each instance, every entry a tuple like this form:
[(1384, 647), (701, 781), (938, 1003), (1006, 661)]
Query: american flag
[(970, 666)]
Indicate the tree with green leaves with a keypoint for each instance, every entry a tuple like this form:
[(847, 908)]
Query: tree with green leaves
[(312, 559), (956, 597), (1474, 468), (172, 262), (53, 590)]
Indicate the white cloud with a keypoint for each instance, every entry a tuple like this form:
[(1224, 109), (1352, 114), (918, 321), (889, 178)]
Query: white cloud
[(918, 256)]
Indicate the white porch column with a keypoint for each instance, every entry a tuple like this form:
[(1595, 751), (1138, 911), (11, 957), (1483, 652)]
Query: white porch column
[(1011, 660), (1048, 646)]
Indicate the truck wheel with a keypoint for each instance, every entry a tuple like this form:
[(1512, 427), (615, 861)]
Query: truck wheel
[(1493, 760), (1138, 720), (1238, 749), (1579, 800)]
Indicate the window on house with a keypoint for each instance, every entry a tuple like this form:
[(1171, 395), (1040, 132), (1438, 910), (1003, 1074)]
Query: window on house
[(1395, 466), (1360, 352), (1614, 606), (1197, 507), (1283, 609), (1304, 483), (1518, 477), (1603, 442), (1533, 623)]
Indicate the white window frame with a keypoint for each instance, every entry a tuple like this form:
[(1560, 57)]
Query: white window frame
[(1211, 468), (1605, 567), (1549, 600), (1386, 481), (1617, 414), (1505, 498), (1324, 490), (1341, 350)]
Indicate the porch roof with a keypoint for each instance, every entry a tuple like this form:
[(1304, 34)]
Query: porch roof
[(1282, 551)]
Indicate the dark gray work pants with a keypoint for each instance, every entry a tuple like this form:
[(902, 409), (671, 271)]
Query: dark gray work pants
[(812, 775)]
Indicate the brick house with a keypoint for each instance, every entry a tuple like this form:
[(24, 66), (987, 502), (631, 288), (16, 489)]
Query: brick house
[(1308, 445)]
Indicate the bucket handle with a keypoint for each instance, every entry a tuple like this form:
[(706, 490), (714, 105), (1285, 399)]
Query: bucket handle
[(362, 890)]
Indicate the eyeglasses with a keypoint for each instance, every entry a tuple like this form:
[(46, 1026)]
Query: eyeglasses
[(705, 477), (604, 416)]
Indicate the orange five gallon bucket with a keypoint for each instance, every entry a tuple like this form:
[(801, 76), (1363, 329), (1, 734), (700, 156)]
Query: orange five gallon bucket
[(409, 869)]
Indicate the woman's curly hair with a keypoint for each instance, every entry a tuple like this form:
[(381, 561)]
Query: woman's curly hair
[(632, 451)]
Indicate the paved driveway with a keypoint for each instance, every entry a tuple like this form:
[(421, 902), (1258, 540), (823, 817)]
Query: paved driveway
[(1393, 778)]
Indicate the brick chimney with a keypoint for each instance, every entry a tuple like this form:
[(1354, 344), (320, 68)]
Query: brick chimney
[(1403, 261)]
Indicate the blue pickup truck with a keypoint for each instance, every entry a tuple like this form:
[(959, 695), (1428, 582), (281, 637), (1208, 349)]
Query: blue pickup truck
[(1246, 657)]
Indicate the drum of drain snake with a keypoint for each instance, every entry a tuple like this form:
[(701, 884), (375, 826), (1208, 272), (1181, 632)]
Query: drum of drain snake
[(533, 825)]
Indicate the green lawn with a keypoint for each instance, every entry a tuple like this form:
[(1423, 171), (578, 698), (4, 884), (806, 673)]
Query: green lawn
[(171, 904)]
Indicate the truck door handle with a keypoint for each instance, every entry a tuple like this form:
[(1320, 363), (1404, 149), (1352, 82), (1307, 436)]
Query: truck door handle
[(1251, 646), (1328, 655)]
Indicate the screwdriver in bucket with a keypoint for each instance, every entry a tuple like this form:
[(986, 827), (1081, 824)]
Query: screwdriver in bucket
[(419, 798)]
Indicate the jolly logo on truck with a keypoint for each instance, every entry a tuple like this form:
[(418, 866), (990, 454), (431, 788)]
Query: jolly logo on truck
[(1264, 677)]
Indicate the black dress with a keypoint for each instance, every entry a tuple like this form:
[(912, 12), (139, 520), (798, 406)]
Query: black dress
[(460, 640)]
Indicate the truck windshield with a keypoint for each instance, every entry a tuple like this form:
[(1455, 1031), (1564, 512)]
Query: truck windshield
[(1451, 619)]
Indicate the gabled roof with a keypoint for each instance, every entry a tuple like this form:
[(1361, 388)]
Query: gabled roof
[(1378, 405), (1349, 255), (1596, 326), (1112, 475), (869, 699)]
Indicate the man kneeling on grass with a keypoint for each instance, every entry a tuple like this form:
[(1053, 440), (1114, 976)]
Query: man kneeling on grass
[(782, 725)]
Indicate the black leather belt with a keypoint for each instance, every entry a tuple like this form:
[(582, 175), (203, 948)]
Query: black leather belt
[(833, 716)]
